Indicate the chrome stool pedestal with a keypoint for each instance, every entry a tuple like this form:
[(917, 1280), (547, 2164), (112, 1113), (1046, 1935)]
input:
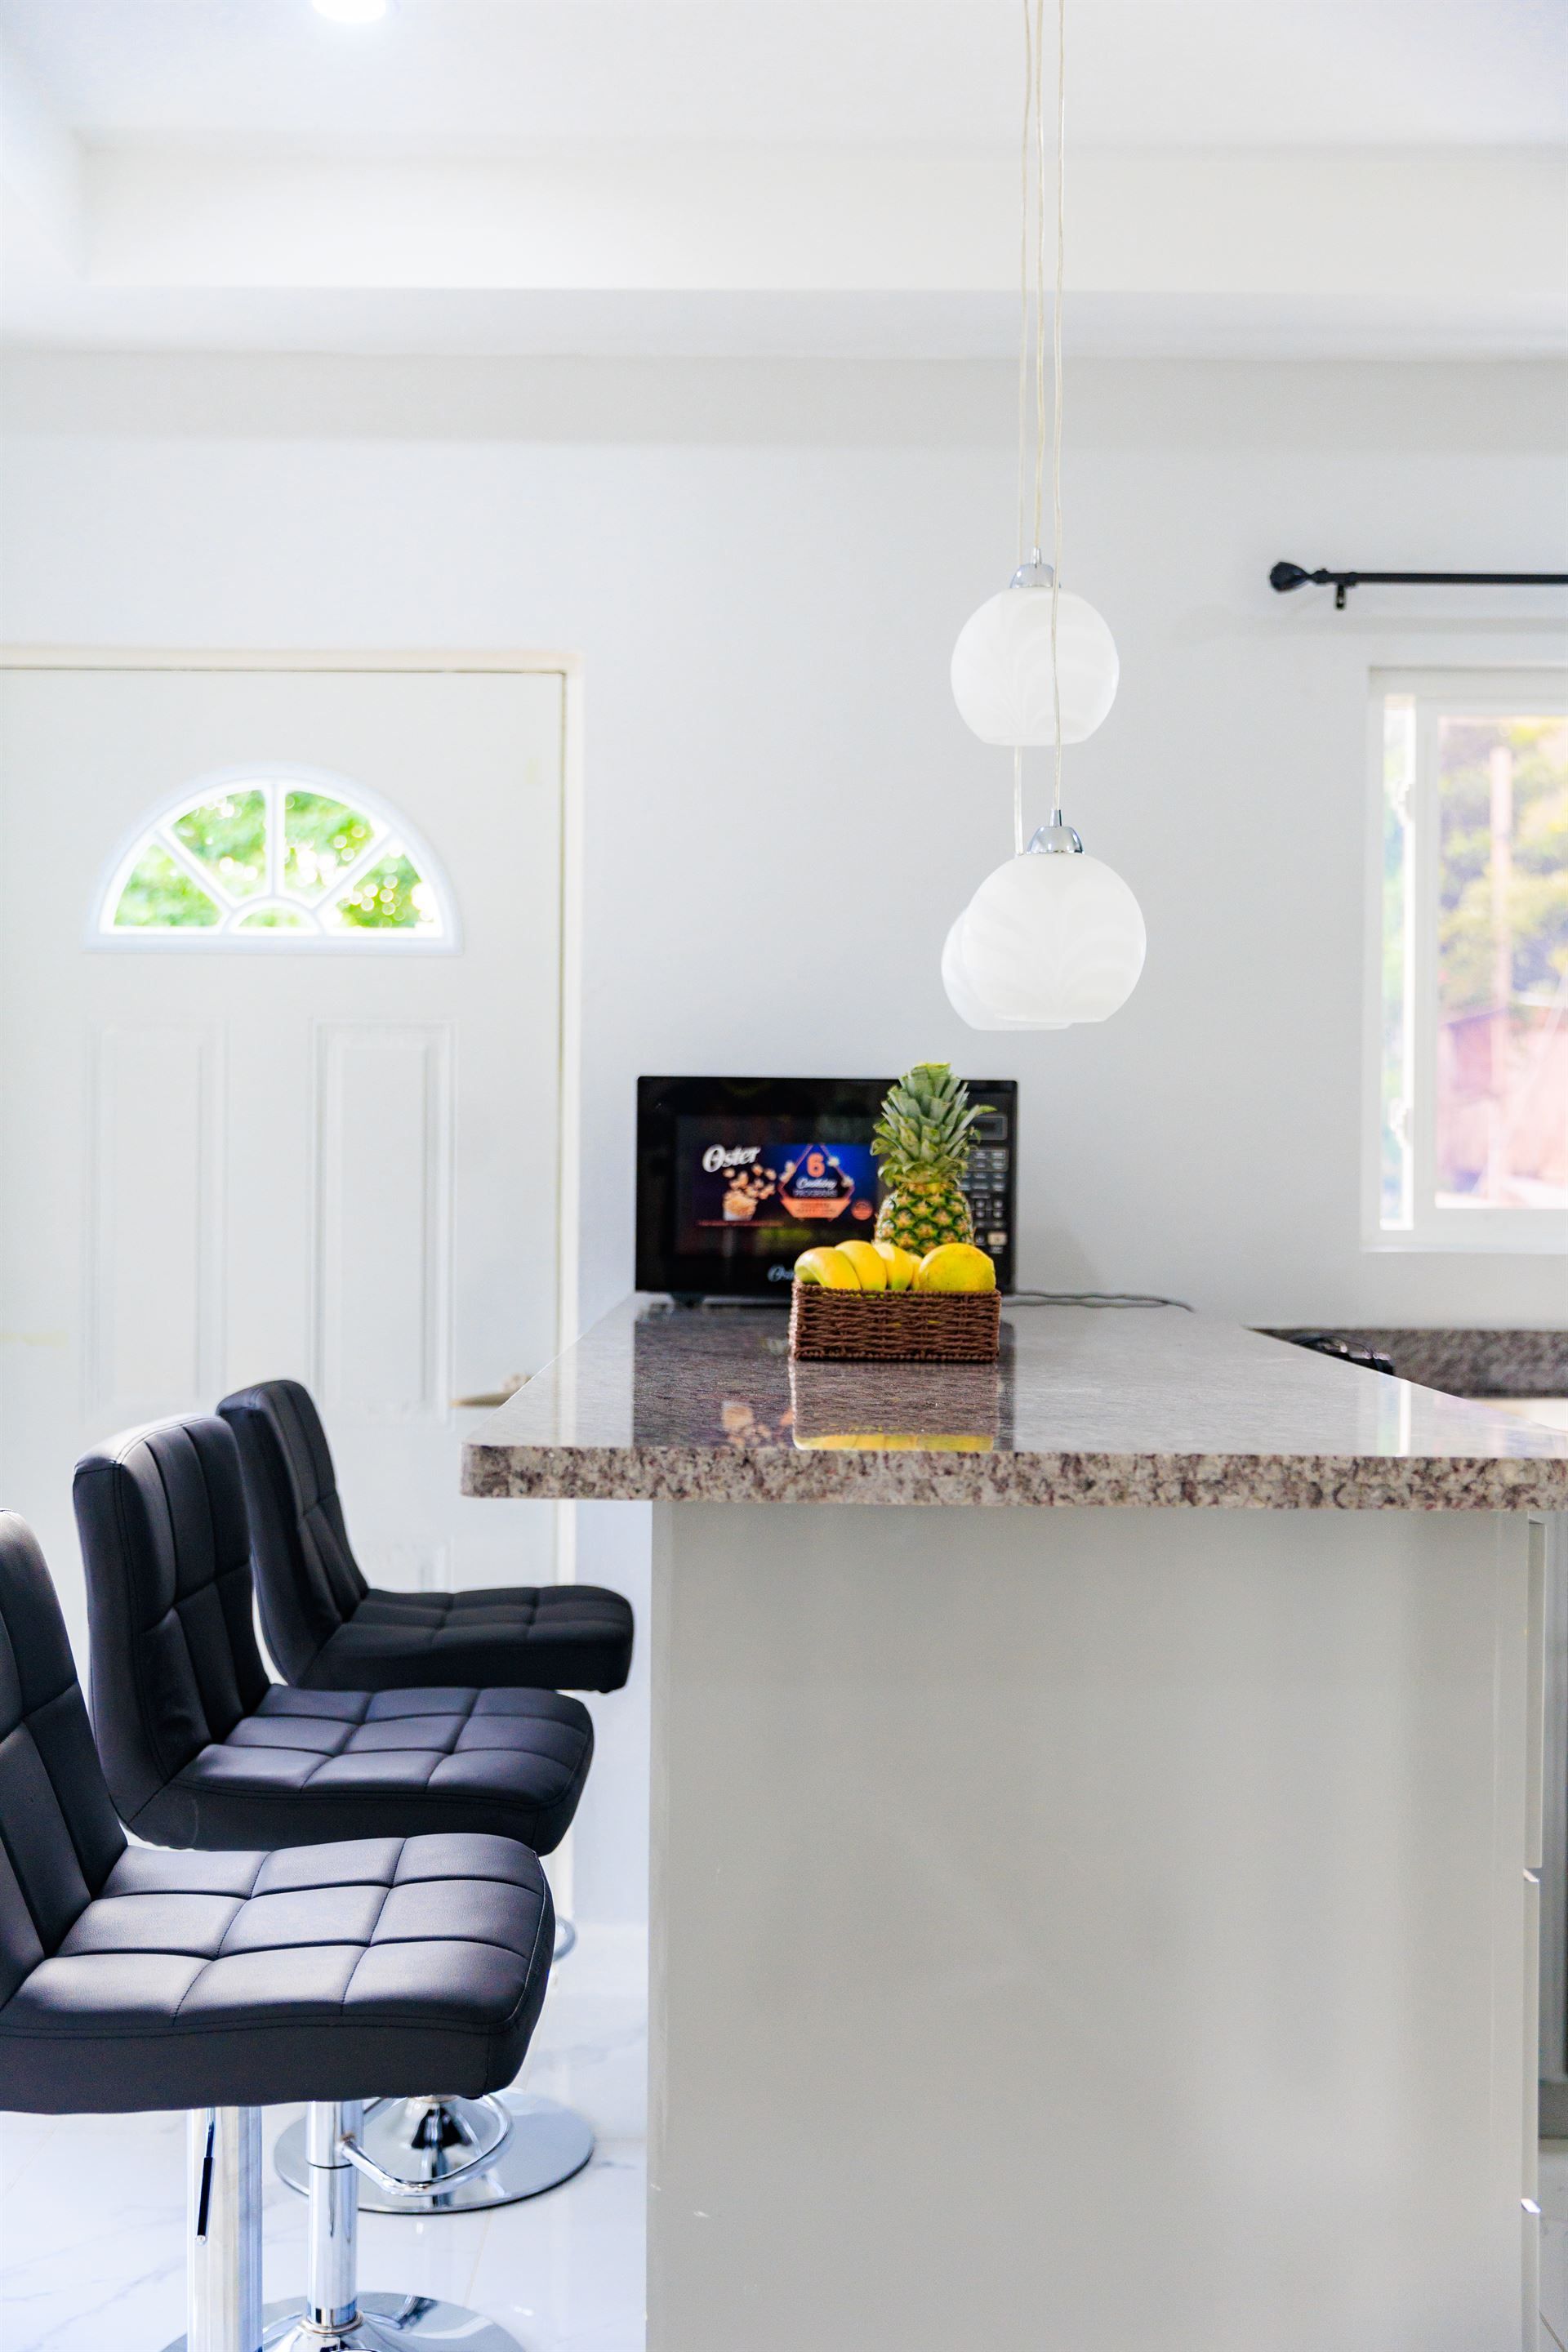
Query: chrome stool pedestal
[(224, 2274), (459, 2155)]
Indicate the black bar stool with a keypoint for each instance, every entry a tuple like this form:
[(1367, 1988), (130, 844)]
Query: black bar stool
[(201, 1748), (133, 1979), (329, 1629)]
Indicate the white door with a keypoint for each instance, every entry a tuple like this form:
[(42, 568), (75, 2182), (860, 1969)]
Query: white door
[(280, 953)]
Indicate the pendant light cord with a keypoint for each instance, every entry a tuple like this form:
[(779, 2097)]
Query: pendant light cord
[(1024, 541), (1039, 98), (1032, 163), (1057, 387)]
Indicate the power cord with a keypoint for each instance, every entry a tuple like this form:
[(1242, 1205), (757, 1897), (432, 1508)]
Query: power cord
[(1092, 1298)]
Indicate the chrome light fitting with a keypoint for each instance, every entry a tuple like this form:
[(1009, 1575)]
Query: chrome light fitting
[(1053, 937)]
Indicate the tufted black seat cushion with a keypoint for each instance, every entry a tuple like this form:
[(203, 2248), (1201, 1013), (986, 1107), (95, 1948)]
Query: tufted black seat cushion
[(326, 1972), (536, 1637), (132, 1979), (329, 1629), (201, 1748), (335, 1764)]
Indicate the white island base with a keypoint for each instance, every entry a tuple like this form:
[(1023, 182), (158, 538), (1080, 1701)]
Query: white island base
[(1093, 1930)]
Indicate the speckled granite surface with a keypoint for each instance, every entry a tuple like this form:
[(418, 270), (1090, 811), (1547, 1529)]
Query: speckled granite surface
[(1139, 1406), (1473, 1363)]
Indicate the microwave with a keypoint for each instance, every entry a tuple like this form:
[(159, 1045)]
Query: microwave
[(737, 1176)]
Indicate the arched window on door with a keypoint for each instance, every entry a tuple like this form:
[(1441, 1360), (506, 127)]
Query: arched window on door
[(268, 858)]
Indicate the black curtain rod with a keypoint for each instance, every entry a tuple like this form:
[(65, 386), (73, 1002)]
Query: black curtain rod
[(1286, 576)]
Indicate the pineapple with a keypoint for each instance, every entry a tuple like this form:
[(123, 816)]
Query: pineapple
[(923, 1142)]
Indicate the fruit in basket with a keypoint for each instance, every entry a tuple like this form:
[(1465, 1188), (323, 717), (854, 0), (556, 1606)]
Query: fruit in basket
[(867, 1262), (832, 1269), (922, 1139), (956, 1266), (902, 1264)]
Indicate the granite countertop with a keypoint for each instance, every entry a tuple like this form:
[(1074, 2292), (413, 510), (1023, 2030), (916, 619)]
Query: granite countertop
[(1086, 1406), (1470, 1362)]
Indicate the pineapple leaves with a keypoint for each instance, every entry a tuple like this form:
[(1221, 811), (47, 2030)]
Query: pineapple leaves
[(925, 1123)]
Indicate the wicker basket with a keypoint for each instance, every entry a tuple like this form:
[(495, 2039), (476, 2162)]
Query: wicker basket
[(894, 1326)]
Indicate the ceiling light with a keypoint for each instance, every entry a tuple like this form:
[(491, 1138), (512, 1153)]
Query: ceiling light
[(351, 12), (1049, 939), (1052, 937)]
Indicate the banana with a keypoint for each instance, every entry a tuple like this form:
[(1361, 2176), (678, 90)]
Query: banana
[(830, 1268)]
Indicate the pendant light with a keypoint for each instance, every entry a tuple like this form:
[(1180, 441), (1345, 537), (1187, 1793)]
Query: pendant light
[(1054, 935)]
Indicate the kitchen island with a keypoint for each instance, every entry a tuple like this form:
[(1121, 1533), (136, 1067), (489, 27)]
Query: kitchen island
[(1092, 1898)]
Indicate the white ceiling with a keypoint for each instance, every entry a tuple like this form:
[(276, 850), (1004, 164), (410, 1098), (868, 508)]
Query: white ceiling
[(1289, 176), (510, 73)]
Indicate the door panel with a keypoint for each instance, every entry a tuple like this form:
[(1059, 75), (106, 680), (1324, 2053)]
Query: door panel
[(236, 1160)]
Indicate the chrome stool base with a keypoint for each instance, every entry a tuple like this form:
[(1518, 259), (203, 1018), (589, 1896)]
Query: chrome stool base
[(386, 2324), (546, 2144)]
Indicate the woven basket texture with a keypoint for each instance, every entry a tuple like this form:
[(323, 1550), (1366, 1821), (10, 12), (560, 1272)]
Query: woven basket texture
[(894, 1326)]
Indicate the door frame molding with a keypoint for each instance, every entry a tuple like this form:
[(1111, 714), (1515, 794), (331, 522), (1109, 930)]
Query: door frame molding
[(447, 661)]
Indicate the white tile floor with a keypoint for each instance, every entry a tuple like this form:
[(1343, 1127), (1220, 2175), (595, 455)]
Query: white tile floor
[(1553, 2195), (91, 2207), (91, 2215)]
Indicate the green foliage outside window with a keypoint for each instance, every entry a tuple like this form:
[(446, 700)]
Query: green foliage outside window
[(320, 836), (228, 834), (160, 896), (1536, 898), (272, 858), (386, 899)]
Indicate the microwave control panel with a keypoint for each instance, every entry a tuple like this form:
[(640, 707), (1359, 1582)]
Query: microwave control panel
[(985, 1182)]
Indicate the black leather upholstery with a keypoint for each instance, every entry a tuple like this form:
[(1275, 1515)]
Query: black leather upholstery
[(59, 1838), (201, 1748), (329, 1629), (132, 1979)]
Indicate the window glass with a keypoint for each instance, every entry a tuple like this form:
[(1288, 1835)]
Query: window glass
[(1394, 1168), (320, 838), (272, 859), (160, 896), (228, 837), (273, 919), (389, 897), (1503, 963), (1471, 935)]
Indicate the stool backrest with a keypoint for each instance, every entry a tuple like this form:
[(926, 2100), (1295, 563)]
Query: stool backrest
[(167, 1546), (59, 1838), (306, 1580)]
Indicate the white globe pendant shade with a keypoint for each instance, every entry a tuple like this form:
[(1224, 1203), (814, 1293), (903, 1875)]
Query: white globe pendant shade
[(1046, 941), (1002, 667), (955, 980)]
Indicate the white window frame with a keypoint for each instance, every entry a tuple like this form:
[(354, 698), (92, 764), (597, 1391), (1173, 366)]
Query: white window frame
[(1505, 693)]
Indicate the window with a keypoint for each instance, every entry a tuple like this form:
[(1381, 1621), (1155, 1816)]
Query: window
[(1471, 951), (296, 859)]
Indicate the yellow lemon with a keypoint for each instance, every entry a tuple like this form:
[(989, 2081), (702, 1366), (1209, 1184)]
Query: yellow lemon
[(833, 1268), (902, 1264), (956, 1266), (867, 1262)]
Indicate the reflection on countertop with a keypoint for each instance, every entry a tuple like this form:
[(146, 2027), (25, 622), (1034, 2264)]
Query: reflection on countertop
[(1108, 1406)]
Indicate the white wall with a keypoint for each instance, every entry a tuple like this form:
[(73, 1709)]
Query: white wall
[(765, 566)]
